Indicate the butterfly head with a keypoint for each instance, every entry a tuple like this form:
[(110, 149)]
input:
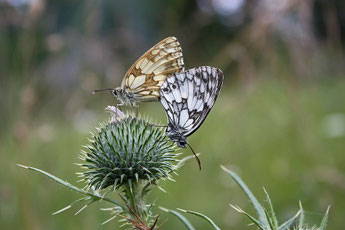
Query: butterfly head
[(116, 92), (126, 98), (180, 140)]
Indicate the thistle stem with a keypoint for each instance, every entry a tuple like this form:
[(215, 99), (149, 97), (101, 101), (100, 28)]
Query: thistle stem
[(136, 203)]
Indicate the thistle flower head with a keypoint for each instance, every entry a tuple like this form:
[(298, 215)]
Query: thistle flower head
[(127, 150)]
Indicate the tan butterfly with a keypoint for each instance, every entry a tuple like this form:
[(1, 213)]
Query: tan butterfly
[(145, 77)]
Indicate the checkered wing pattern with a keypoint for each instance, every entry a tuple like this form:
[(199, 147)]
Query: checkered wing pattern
[(188, 97)]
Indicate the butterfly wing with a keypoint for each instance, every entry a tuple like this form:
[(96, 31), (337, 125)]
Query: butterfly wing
[(148, 73), (188, 97)]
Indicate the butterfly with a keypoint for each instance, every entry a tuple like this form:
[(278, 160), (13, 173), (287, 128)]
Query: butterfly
[(187, 98), (145, 77)]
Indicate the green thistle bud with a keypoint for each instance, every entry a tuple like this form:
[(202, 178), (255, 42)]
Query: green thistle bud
[(125, 151), (128, 155)]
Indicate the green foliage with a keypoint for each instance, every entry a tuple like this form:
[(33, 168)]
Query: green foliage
[(303, 226), (186, 222), (267, 218), (88, 195), (130, 156), (181, 217)]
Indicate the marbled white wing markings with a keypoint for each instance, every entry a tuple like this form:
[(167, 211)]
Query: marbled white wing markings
[(187, 98), (144, 78)]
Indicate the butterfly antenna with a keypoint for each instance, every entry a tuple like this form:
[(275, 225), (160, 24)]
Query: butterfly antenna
[(197, 158), (100, 90)]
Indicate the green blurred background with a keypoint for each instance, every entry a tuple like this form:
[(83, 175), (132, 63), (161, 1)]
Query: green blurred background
[(279, 121)]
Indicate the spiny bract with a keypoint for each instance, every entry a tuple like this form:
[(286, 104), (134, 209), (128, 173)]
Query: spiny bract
[(125, 151)]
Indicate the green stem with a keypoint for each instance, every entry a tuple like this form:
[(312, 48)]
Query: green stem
[(136, 202), (130, 194)]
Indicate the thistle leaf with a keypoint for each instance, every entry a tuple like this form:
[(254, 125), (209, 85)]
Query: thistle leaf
[(287, 224), (255, 221), (180, 217), (257, 206), (324, 220), (270, 212), (301, 216), (70, 186), (202, 216)]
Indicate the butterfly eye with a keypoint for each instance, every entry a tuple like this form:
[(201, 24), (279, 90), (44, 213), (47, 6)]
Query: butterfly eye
[(181, 144), (115, 92)]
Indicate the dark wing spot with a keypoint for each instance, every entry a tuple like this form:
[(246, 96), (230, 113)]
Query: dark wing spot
[(198, 73), (174, 86), (204, 77)]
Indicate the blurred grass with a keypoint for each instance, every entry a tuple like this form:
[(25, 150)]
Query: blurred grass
[(273, 133)]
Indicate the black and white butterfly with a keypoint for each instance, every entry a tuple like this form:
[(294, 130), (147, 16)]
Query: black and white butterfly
[(187, 98)]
